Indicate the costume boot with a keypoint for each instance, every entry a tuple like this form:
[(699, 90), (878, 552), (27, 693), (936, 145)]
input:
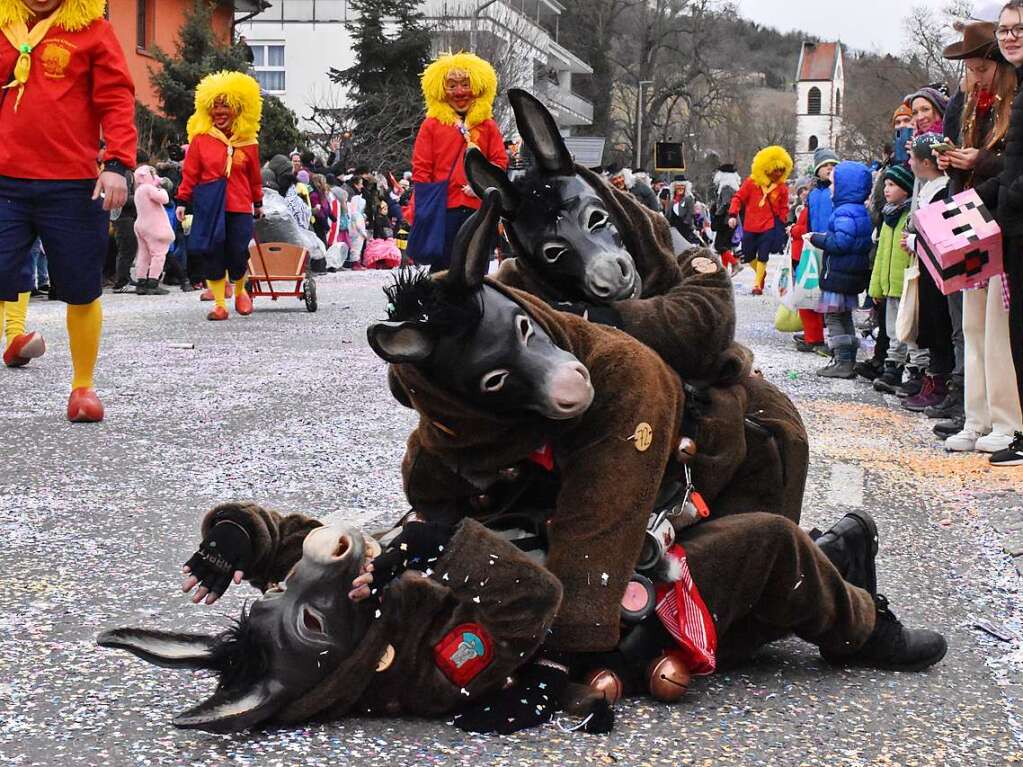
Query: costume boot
[(894, 647), (851, 545)]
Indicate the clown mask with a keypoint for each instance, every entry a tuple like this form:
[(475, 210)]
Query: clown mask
[(42, 7), (223, 115), (458, 91)]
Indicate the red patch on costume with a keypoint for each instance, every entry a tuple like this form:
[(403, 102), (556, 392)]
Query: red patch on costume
[(544, 457), (464, 652)]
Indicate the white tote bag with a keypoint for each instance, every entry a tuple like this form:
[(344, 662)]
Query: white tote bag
[(907, 324)]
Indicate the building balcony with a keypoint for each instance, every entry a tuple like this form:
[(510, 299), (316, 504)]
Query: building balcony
[(568, 108)]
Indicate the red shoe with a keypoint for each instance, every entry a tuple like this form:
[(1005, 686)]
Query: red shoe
[(756, 291), (83, 406), (206, 295), (23, 349), (219, 313), (243, 304), (228, 290)]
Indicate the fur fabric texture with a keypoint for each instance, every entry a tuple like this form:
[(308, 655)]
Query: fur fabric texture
[(72, 15), (242, 93), (482, 77)]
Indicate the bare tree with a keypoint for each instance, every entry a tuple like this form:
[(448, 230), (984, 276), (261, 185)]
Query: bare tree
[(928, 32)]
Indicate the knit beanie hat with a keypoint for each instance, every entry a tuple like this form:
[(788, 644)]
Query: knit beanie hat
[(938, 99), (902, 111), (824, 157), (900, 175)]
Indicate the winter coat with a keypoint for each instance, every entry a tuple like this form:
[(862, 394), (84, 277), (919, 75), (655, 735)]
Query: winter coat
[(847, 242), (727, 185), (646, 195), (989, 162), (891, 260), (687, 315), (820, 205), (418, 617), (801, 227), (682, 215)]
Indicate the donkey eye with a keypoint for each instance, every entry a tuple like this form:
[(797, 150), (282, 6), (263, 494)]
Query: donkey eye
[(493, 381), (525, 329), (553, 251), (596, 220)]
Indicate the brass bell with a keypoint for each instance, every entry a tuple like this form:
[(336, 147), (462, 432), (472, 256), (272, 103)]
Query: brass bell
[(668, 678), (686, 450), (607, 682)]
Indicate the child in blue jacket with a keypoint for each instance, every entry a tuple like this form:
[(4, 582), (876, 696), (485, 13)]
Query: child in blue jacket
[(846, 268)]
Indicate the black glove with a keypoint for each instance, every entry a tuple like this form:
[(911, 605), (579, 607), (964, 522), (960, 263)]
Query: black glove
[(227, 548), (417, 547), (532, 700)]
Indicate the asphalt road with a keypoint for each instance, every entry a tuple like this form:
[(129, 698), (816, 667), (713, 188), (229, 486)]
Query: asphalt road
[(291, 409)]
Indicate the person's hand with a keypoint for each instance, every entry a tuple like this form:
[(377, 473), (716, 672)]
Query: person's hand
[(944, 160), (467, 190), (179, 214), (221, 558), (532, 700), (335, 144), (961, 159), (113, 187), (417, 547), (362, 585), (733, 222)]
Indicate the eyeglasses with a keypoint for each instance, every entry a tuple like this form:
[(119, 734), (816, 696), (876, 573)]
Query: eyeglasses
[(1004, 33)]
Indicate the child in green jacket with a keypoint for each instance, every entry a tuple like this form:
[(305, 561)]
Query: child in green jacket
[(886, 278)]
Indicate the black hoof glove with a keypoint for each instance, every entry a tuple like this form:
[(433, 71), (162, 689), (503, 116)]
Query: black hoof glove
[(417, 547), (226, 549), (532, 700)]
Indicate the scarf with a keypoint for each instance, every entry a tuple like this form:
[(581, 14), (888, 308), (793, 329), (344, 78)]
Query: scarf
[(893, 212), (24, 41), (232, 144)]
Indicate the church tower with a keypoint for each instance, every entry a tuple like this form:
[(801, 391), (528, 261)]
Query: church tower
[(820, 91)]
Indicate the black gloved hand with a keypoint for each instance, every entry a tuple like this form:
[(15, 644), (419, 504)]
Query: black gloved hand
[(225, 549), (417, 547), (532, 700)]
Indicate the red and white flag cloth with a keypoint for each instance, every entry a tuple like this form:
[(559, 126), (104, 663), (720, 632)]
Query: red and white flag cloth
[(684, 614)]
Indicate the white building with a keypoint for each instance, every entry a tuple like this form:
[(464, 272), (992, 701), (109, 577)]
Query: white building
[(820, 88), (296, 42)]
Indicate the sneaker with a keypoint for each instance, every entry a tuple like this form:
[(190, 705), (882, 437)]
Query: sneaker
[(799, 337), (950, 407), (995, 443), (125, 287), (868, 369), (893, 647), (932, 392), (1012, 455), (888, 382), (946, 429), (912, 385), (851, 545), (963, 442)]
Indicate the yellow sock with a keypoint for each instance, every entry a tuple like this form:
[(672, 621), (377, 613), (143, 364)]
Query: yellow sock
[(14, 313), (761, 269), (239, 287), (218, 288), (84, 326)]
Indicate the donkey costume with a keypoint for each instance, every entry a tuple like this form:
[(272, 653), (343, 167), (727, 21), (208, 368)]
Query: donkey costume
[(753, 449), (450, 637)]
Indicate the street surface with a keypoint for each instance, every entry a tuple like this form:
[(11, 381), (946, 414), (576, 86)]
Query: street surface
[(292, 410)]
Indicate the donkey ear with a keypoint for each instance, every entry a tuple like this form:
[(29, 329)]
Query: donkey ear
[(163, 648), (234, 711), (475, 243), (399, 342), (484, 175), (537, 127)]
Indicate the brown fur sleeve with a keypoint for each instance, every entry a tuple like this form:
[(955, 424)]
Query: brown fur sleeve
[(431, 487), (692, 324), (608, 489), (276, 539)]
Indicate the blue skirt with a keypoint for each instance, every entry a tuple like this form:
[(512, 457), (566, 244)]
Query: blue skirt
[(836, 303)]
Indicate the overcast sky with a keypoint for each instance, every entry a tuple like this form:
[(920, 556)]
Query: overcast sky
[(872, 25)]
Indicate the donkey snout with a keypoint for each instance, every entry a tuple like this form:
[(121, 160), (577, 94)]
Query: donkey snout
[(612, 278), (570, 389)]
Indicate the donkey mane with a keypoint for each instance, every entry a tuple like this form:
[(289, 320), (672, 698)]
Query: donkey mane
[(240, 657), (416, 297)]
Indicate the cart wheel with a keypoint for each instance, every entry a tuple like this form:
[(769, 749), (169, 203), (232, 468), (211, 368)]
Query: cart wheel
[(309, 294)]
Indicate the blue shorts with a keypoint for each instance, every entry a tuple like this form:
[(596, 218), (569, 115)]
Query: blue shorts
[(74, 229), (758, 246), (231, 256)]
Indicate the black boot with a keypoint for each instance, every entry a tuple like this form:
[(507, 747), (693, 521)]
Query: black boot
[(946, 429), (912, 385), (950, 407), (868, 369), (890, 380), (851, 545), (893, 647), (142, 288), (155, 289)]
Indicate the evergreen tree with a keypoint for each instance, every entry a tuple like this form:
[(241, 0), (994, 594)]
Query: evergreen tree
[(199, 53), (385, 107)]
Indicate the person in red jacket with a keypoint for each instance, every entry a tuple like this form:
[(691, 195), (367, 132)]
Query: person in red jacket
[(66, 81), (812, 338), (763, 203), (222, 183), (459, 91)]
